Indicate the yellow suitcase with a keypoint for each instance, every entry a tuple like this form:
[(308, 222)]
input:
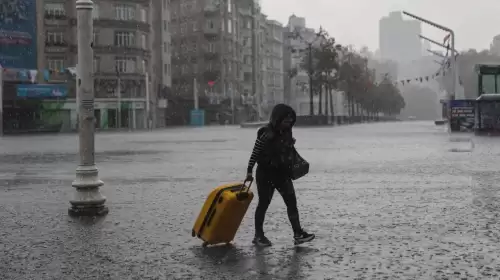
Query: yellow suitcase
[(222, 213)]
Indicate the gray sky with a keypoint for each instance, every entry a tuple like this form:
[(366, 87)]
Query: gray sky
[(356, 21)]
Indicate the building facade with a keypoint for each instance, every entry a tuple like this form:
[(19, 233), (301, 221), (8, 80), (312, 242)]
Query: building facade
[(206, 54), (296, 79), (273, 72), (130, 64)]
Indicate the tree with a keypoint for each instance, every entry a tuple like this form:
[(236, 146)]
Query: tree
[(363, 92), (325, 65)]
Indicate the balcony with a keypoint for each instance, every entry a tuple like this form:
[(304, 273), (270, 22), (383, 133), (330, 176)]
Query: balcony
[(211, 75), (56, 47), (59, 77), (107, 88), (55, 20), (211, 31), (121, 50), (137, 76), (119, 24), (211, 55), (211, 9)]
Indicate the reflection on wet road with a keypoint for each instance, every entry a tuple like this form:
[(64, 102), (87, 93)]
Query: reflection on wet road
[(387, 201)]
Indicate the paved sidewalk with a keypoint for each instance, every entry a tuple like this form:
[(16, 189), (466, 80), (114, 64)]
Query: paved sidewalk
[(387, 201)]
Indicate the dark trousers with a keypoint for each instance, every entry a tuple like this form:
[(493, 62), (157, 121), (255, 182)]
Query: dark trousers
[(268, 181)]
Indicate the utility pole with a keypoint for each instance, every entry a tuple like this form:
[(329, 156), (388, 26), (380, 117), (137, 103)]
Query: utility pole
[(149, 117), (87, 201), (1, 100), (119, 97), (311, 92)]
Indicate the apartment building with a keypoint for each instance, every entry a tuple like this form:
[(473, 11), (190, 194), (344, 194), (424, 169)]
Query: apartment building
[(273, 61), (131, 60), (212, 44)]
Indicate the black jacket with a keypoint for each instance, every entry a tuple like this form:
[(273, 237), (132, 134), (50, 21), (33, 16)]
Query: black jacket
[(274, 146)]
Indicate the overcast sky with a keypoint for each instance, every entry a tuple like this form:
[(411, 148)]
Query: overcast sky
[(356, 21)]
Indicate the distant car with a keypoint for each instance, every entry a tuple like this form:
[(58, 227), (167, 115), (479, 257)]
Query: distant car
[(412, 118)]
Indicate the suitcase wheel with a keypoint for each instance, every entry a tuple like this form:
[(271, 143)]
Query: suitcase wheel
[(205, 244), (193, 234)]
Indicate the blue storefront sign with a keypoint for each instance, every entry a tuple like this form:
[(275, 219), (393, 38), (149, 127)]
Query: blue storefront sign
[(18, 34), (41, 91), (198, 117)]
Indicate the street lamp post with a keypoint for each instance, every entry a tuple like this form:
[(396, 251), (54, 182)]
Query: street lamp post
[(436, 43), (453, 60), (87, 201), (436, 53)]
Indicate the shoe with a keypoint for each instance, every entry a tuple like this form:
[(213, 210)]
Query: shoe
[(303, 237), (262, 241)]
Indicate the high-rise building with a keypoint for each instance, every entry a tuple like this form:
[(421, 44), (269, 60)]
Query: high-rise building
[(495, 45), (398, 38), (129, 61)]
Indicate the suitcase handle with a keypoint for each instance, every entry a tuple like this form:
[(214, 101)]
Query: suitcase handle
[(242, 195), (243, 186)]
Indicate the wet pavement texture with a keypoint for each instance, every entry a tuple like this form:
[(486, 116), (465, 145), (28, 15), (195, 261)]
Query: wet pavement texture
[(386, 200)]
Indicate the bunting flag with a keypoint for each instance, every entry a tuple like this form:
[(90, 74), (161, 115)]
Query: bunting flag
[(30, 75), (33, 75), (440, 73)]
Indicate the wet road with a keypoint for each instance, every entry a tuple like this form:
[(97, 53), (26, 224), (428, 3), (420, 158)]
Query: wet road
[(387, 201)]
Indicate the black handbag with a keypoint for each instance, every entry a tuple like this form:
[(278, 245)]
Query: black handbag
[(300, 166)]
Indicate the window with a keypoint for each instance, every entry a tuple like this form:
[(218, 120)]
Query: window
[(144, 16), (97, 63), (124, 12), (144, 41), (95, 38), (165, 25), (166, 69), (124, 39), (145, 66), (55, 38), (165, 47), (95, 11), (229, 4), (55, 10), (488, 84), (183, 27), (229, 26), (125, 65), (211, 47), (55, 64), (210, 24)]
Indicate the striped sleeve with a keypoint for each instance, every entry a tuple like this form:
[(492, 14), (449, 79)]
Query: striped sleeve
[(257, 150)]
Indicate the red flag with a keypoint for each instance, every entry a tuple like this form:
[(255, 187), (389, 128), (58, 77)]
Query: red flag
[(446, 38)]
